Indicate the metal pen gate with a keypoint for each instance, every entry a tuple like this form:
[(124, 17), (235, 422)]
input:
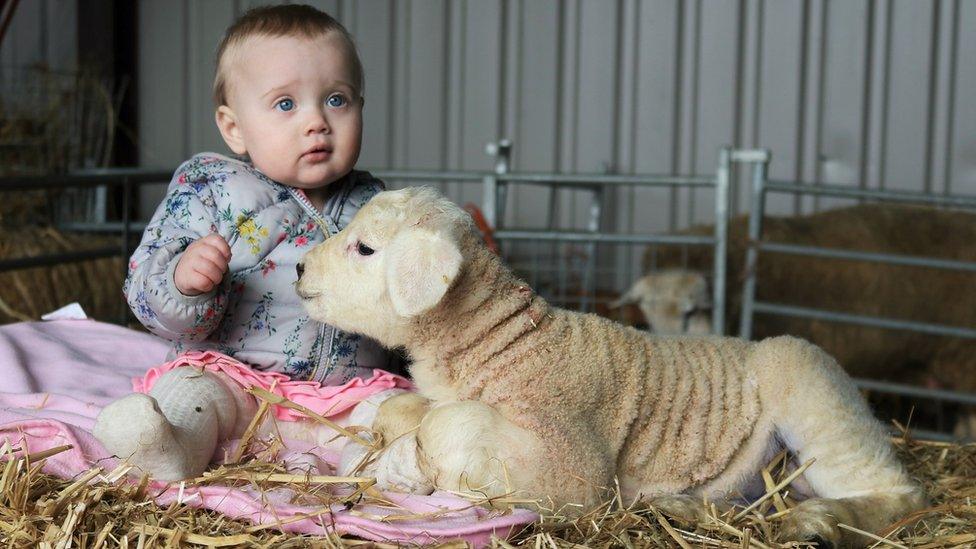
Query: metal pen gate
[(762, 186), (495, 186)]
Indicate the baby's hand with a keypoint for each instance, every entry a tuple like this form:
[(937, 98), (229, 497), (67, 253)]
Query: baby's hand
[(202, 266)]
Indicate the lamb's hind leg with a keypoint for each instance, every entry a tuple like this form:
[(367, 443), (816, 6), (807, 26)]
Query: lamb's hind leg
[(819, 414)]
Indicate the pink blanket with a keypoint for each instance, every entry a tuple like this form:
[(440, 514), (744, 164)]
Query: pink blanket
[(57, 375)]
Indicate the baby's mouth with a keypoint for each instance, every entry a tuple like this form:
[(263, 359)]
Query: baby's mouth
[(318, 154)]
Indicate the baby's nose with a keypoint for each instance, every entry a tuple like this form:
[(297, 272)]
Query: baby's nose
[(317, 124), (300, 269)]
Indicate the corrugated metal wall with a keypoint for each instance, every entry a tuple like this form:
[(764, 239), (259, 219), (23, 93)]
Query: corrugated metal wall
[(876, 93), (859, 92)]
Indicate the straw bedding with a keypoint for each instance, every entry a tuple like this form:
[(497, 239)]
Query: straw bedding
[(101, 510)]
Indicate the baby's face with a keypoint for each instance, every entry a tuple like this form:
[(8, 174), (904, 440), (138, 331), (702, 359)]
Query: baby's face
[(297, 110)]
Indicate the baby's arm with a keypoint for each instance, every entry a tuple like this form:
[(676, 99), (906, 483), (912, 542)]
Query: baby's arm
[(179, 248)]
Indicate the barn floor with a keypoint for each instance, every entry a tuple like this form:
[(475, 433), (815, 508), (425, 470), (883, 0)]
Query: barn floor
[(38, 510)]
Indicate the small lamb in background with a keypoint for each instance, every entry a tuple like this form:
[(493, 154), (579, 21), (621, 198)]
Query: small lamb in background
[(553, 404), (673, 301)]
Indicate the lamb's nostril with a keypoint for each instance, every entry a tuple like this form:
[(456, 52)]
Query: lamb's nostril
[(300, 269)]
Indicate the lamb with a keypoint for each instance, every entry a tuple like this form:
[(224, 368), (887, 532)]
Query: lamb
[(523, 396), (673, 302)]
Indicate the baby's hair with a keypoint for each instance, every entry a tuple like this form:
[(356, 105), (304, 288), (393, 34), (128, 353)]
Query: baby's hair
[(296, 20)]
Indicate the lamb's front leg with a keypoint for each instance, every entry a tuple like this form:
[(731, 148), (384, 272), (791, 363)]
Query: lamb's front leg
[(395, 415), (469, 446)]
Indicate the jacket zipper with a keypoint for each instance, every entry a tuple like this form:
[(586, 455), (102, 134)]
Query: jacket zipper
[(329, 227)]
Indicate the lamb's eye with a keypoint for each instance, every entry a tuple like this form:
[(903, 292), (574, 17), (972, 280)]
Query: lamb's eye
[(364, 249)]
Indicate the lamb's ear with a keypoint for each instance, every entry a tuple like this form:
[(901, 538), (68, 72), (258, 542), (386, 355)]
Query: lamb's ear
[(699, 297), (420, 266), (633, 295)]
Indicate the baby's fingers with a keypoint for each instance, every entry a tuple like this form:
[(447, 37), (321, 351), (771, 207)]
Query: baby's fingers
[(213, 255), (210, 273), (217, 242)]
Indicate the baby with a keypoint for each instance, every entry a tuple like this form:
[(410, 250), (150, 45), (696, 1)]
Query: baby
[(216, 266)]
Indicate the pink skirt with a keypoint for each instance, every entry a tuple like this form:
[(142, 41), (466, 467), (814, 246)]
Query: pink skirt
[(327, 401)]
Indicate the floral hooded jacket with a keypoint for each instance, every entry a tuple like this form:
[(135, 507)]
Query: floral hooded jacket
[(254, 315)]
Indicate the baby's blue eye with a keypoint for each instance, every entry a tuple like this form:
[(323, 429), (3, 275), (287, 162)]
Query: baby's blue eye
[(285, 105), (336, 101)]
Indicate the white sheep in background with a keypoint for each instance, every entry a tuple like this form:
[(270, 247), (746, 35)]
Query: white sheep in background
[(556, 404), (673, 302)]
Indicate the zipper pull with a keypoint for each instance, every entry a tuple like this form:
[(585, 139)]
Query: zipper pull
[(327, 225)]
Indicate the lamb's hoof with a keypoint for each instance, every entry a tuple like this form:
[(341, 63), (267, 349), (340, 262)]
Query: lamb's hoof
[(394, 467), (399, 468), (682, 507), (821, 542), (813, 521)]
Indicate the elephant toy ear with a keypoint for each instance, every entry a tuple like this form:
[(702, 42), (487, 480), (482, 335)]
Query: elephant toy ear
[(421, 266)]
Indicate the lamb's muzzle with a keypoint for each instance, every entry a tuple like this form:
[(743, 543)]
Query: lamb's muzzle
[(530, 398)]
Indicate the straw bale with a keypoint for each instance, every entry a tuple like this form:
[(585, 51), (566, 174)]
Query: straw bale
[(53, 121), (26, 294)]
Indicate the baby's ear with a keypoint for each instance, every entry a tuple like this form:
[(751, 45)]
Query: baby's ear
[(420, 266), (227, 124)]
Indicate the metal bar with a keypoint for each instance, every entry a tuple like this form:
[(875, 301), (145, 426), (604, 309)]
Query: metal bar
[(85, 179), (525, 266), (842, 191), (552, 204), (574, 236), (489, 195), (913, 391), (589, 276), (429, 176), (603, 179), (925, 434), (56, 259), (752, 253), (552, 222), (126, 204), (107, 227), (138, 177), (758, 156), (719, 261), (501, 203), (549, 178), (894, 259), (877, 322)]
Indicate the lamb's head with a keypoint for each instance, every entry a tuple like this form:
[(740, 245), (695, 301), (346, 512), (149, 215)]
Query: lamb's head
[(395, 261), (674, 301)]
